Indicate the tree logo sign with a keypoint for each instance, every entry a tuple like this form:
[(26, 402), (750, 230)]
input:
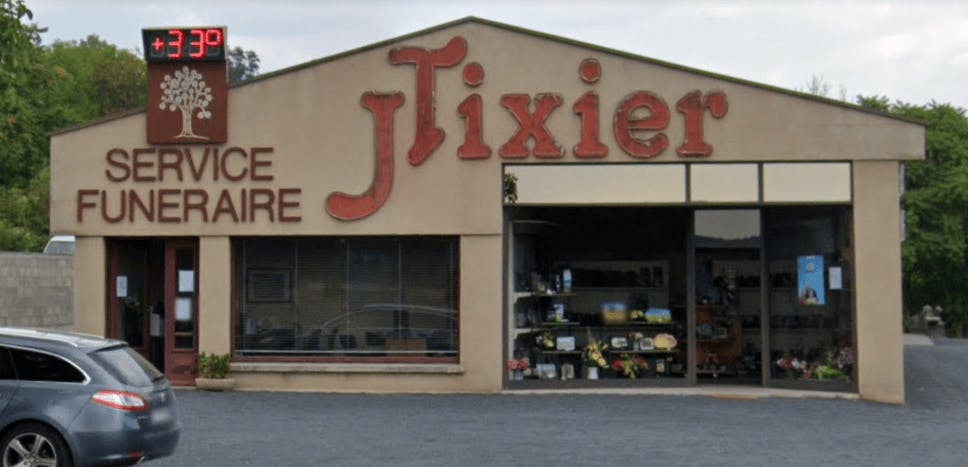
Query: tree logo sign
[(187, 103), (186, 92)]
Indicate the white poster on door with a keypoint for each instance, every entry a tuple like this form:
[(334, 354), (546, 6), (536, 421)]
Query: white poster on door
[(836, 279), (121, 286), (183, 309), (186, 280)]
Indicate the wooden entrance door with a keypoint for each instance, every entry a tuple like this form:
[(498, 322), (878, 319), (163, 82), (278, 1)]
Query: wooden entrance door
[(181, 311)]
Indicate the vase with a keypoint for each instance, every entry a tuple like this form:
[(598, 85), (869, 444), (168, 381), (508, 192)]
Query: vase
[(215, 384), (517, 375), (591, 372)]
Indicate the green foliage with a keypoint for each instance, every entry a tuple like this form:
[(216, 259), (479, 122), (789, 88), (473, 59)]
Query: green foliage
[(935, 252), (213, 366), (96, 78), (243, 65), (23, 214), (23, 142), (43, 89)]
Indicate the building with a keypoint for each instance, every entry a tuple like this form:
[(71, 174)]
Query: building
[(413, 215)]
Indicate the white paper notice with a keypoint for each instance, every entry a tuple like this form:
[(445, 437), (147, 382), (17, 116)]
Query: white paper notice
[(836, 280), (121, 285), (186, 280), (183, 309), (155, 325)]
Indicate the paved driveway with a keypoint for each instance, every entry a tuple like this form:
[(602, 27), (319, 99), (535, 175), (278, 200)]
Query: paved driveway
[(254, 428)]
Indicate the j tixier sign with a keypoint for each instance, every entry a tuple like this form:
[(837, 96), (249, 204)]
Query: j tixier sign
[(637, 128)]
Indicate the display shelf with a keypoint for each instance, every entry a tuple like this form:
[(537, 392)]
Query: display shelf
[(645, 352), (632, 324), (557, 324), (529, 294), (716, 373), (519, 331), (518, 295)]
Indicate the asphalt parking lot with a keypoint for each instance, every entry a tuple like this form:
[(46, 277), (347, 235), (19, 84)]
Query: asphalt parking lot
[(293, 429)]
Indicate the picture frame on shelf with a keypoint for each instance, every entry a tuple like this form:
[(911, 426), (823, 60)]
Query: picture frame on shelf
[(619, 342), (645, 343), (565, 343)]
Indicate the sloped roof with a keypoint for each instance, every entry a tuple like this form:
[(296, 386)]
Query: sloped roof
[(542, 35)]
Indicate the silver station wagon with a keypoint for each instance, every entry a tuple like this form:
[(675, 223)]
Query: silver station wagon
[(71, 399)]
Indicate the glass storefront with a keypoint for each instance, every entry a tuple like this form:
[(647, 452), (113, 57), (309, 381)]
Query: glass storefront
[(680, 296), (811, 304), (599, 292), (351, 299)]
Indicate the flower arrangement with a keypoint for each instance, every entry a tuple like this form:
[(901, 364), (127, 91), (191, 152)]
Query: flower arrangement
[(790, 363), (836, 365), (516, 364), (593, 355), (629, 365), (547, 339)]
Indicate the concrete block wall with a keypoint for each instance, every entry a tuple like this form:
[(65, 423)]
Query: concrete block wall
[(37, 290)]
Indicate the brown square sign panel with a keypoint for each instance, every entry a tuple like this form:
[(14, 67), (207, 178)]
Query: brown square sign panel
[(187, 103)]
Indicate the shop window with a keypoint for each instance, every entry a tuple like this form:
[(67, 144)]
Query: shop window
[(728, 296), (810, 298), (347, 298)]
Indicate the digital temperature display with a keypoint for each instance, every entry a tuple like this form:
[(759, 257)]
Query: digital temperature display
[(205, 44)]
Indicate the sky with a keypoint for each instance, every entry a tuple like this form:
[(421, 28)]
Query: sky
[(912, 51)]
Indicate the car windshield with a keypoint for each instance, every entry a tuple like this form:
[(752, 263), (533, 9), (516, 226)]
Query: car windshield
[(127, 365)]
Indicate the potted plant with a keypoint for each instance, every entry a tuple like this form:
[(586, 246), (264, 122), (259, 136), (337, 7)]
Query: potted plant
[(593, 356), (517, 367), (629, 365), (213, 372)]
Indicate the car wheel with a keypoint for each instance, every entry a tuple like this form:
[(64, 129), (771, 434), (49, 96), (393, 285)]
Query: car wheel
[(32, 445)]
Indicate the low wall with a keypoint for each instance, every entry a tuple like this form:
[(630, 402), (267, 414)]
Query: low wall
[(37, 290)]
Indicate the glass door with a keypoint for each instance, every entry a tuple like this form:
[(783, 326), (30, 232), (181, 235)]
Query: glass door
[(181, 293), (727, 300), (135, 294)]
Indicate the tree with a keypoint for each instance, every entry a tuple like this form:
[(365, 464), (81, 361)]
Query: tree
[(43, 89), (243, 65), (818, 86), (23, 149), (935, 251), (99, 78)]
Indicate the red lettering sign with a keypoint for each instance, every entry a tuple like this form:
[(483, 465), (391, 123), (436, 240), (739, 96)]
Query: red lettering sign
[(626, 123), (429, 136), (692, 106), (531, 125), (352, 207)]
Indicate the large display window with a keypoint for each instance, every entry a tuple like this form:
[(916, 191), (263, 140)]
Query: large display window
[(728, 316), (347, 299), (618, 296), (811, 299), (598, 296)]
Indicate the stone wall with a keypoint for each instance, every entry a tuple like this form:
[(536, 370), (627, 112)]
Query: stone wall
[(37, 290)]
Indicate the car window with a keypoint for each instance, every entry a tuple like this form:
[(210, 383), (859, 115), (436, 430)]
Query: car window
[(36, 366), (127, 365), (6, 366)]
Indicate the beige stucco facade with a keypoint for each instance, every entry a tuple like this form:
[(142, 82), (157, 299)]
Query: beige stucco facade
[(322, 141)]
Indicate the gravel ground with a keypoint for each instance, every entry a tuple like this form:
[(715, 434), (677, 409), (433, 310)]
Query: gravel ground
[(261, 428)]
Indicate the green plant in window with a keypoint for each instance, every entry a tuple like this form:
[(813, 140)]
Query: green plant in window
[(510, 188)]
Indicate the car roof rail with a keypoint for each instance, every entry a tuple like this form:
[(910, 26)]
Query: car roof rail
[(75, 339)]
